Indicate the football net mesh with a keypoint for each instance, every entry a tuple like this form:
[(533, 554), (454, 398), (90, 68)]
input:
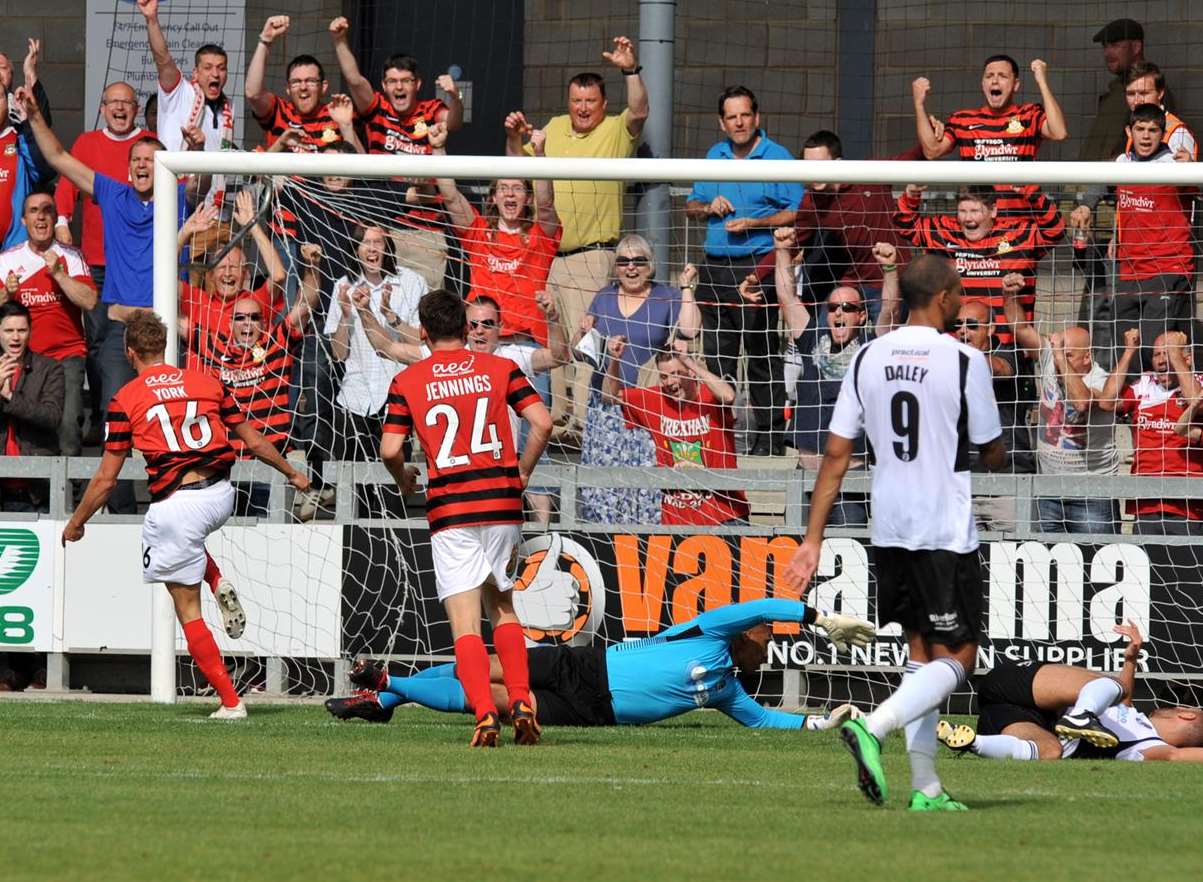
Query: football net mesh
[(636, 559)]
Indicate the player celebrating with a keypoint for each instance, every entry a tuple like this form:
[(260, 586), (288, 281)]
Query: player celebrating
[(921, 397), (636, 682), (1034, 710), (456, 402), (178, 419)]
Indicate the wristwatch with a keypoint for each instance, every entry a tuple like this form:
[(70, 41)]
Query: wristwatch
[(633, 71)]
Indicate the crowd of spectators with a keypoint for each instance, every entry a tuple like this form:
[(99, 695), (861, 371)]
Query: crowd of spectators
[(307, 306)]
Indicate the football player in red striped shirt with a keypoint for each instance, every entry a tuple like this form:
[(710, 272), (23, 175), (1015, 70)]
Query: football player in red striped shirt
[(984, 246), (181, 422), (457, 402), (1001, 130)]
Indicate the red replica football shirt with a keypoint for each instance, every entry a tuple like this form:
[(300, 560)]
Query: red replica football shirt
[(1154, 229), (511, 268), (10, 160), (1159, 450), (689, 434), (257, 378), (457, 403), (57, 329), (178, 419)]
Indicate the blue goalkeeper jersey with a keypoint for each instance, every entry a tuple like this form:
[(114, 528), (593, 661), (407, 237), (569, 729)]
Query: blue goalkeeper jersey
[(689, 666)]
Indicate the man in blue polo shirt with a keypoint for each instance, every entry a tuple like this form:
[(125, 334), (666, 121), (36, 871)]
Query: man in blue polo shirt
[(127, 211), (740, 218)]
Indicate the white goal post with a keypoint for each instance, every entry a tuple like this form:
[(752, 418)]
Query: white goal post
[(169, 166)]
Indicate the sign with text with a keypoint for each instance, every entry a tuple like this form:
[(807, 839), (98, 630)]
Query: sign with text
[(118, 51), (1050, 601)]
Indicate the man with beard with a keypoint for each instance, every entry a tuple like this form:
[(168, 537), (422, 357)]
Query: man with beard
[(397, 122), (692, 423), (825, 345), (52, 281), (199, 101), (631, 683)]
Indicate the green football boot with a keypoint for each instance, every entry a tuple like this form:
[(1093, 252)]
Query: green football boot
[(866, 750)]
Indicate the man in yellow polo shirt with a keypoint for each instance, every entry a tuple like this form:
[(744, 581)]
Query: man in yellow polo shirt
[(590, 211)]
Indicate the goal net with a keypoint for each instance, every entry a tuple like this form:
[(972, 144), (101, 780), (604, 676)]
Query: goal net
[(692, 390)]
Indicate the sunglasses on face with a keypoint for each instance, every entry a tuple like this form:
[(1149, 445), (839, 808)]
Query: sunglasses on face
[(631, 261), (247, 316), (846, 307), (971, 324), (482, 323)]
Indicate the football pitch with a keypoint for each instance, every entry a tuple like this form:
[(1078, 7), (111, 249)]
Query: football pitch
[(137, 791)]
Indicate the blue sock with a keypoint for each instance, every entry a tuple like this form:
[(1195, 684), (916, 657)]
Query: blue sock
[(437, 693), (447, 670)]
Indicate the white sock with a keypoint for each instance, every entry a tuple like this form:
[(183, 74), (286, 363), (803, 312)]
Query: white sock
[(1005, 747), (921, 749), (1097, 695), (921, 691)]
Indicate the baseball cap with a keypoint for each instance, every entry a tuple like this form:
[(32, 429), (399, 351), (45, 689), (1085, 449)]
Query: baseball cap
[(1120, 29)]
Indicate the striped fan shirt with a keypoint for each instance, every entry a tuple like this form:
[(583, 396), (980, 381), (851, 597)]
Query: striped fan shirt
[(1010, 135), (178, 419), (389, 132), (1013, 245), (457, 402), (257, 378), (316, 131)]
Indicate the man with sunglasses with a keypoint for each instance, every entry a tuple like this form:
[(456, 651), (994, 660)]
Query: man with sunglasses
[(823, 346), (254, 360)]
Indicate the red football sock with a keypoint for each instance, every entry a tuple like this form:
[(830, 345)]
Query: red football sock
[(510, 644), (203, 649), (212, 572), (472, 669)]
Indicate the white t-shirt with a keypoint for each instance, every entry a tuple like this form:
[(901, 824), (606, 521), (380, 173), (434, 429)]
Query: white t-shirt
[(175, 113), (1134, 730), (1068, 441), (365, 383), (922, 398)]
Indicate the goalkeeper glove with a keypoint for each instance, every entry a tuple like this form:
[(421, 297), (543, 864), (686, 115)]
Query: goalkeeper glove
[(834, 719), (842, 630)]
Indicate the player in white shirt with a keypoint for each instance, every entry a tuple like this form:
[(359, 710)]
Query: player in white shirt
[(921, 396), (1032, 710)]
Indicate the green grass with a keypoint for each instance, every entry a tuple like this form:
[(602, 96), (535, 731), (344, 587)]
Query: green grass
[(135, 791)]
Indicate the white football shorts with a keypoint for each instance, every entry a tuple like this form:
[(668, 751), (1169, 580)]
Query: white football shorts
[(465, 557), (175, 529)]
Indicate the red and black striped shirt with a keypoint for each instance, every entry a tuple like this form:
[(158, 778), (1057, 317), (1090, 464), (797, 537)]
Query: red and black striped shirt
[(317, 130), (1010, 135), (257, 378), (457, 402), (178, 419), (389, 132), (1013, 245)]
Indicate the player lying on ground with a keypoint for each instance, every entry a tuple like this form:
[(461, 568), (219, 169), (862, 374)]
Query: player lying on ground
[(180, 420), (688, 666), (1033, 711)]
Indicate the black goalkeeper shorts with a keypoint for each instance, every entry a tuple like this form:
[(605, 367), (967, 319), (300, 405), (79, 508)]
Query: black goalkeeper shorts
[(1004, 696), (570, 685), (937, 594)]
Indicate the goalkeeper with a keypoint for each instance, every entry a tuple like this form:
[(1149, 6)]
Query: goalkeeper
[(690, 665)]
